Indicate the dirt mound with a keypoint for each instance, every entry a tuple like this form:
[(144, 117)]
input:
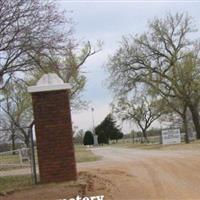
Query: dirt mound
[(97, 185)]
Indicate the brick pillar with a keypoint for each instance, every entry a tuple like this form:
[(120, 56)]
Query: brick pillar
[(53, 132)]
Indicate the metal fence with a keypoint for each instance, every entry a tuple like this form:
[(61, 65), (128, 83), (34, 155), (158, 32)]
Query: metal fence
[(152, 139), (12, 162), (19, 166)]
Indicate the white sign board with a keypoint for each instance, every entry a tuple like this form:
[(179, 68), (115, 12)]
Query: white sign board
[(171, 136)]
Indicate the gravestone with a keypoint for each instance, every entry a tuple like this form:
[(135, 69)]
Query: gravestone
[(53, 127)]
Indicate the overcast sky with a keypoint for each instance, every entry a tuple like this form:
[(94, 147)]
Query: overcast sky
[(108, 21)]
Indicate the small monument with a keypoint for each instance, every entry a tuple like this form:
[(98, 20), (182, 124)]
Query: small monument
[(53, 128), (95, 140)]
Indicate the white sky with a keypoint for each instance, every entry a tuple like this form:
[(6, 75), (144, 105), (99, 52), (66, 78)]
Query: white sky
[(108, 21)]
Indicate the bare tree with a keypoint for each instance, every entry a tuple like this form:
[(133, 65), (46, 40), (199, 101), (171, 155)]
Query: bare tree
[(78, 136), (17, 113), (29, 30), (142, 110), (69, 67), (8, 130), (161, 58)]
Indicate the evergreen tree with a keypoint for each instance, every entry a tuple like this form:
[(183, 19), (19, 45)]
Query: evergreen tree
[(108, 130), (102, 139), (116, 134), (88, 138)]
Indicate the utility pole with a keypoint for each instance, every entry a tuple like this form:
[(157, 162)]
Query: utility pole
[(92, 109), (95, 136)]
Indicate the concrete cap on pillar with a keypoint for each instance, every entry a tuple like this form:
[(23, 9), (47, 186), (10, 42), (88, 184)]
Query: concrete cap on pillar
[(49, 82)]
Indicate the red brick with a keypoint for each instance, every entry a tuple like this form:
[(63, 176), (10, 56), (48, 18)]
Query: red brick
[(54, 136)]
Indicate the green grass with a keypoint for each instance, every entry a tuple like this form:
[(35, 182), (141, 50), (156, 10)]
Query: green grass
[(84, 154), (12, 183)]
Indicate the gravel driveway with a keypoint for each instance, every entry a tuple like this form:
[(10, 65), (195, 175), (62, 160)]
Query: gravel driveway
[(133, 174), (149, 174)]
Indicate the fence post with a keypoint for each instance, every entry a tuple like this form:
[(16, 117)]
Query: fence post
[(33, 163), (20, 157)]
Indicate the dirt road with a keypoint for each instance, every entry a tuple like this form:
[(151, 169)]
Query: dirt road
[(130, 174), (148, 174)]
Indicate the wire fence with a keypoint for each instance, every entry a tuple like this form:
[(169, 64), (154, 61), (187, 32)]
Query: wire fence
[(155, 139), (20, 158), (18, 167)]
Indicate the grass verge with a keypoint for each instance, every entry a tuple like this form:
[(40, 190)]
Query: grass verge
[(12, 183), (195, 145), (84, 154)]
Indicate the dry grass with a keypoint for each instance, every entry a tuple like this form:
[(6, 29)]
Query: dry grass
[(13, 183), (9, 159), (84, 154), (191, 146)]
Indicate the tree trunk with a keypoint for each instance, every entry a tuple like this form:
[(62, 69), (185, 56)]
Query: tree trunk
[(13, 142), (12, 138), (27, 141), (185, 126), (195, 118), (142, 139), (145, 136), (108, 141)]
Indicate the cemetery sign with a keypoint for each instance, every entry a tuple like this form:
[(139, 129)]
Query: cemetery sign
[(171, 136)]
